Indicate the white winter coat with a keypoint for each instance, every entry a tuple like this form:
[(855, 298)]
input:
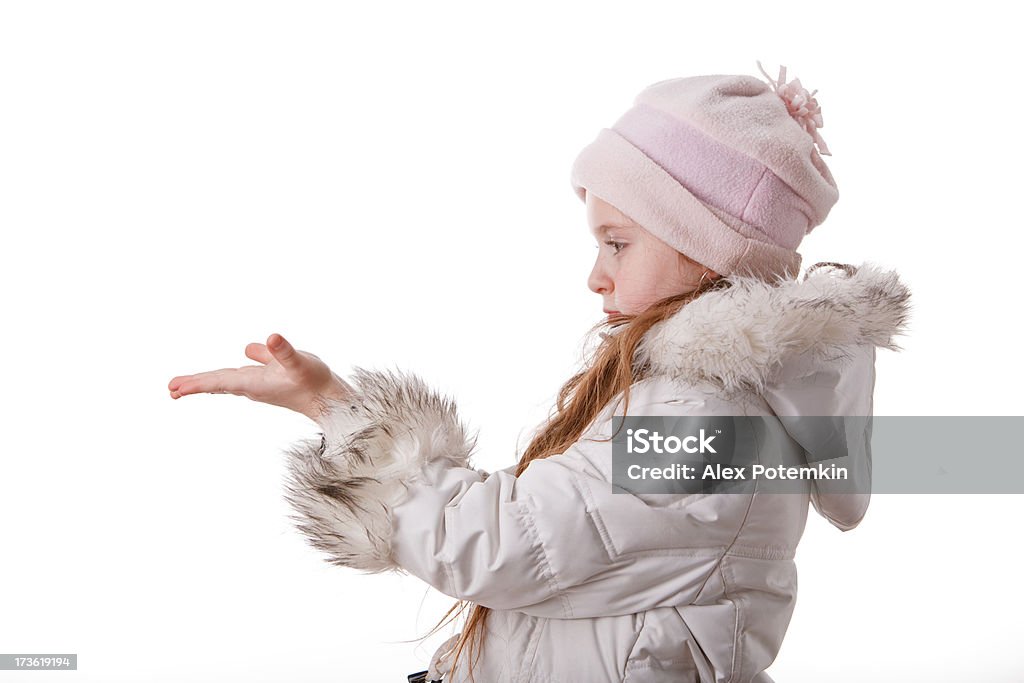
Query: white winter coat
[(590, 586)]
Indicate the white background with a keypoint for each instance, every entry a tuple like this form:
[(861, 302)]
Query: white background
[(387, 185)]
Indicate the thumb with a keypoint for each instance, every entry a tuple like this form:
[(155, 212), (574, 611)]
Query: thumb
[(283, 352)]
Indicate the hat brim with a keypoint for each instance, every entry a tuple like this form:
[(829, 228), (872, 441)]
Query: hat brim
[(620, 174)]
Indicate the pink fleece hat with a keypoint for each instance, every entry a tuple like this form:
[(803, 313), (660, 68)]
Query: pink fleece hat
[(722, 168)]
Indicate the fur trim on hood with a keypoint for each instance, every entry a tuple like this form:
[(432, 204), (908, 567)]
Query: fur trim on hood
[(738, 337)]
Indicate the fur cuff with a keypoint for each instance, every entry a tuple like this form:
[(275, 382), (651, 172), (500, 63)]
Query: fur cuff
[(344, 483)]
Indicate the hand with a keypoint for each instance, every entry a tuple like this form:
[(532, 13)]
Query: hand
[(292, 379)]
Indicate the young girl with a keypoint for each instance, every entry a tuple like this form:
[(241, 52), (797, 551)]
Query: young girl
[(698, 197)]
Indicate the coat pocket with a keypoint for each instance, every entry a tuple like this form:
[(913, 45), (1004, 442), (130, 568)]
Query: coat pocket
[(661, 651), (696, 524)]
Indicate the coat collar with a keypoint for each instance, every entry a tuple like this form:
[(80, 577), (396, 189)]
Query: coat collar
[(736, 338)]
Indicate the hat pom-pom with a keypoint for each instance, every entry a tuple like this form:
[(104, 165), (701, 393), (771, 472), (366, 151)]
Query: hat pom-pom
[(801, 105)]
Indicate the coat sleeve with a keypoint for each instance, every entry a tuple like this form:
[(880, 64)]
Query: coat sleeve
[(389, 486)]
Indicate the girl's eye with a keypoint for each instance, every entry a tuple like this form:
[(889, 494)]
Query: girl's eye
[(617, 246)]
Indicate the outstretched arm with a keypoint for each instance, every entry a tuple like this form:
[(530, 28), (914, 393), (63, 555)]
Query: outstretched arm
[(389, 486)]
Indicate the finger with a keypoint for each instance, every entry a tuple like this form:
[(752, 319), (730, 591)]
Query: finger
[(284, 352), (179, 381), (259, 352), (188, 389), (175, 381), (223, 381)]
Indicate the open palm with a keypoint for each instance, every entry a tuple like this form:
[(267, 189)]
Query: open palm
[(286, 377)]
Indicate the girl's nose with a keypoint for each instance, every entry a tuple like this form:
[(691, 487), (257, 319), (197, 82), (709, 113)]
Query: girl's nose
[(599, 282)]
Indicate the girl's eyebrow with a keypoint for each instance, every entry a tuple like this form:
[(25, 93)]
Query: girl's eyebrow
[(605, 227)]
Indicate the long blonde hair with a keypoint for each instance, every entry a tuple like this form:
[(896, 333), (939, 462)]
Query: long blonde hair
[(609, 370)]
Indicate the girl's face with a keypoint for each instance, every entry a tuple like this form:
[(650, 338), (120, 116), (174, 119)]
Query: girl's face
[(634, 268)]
